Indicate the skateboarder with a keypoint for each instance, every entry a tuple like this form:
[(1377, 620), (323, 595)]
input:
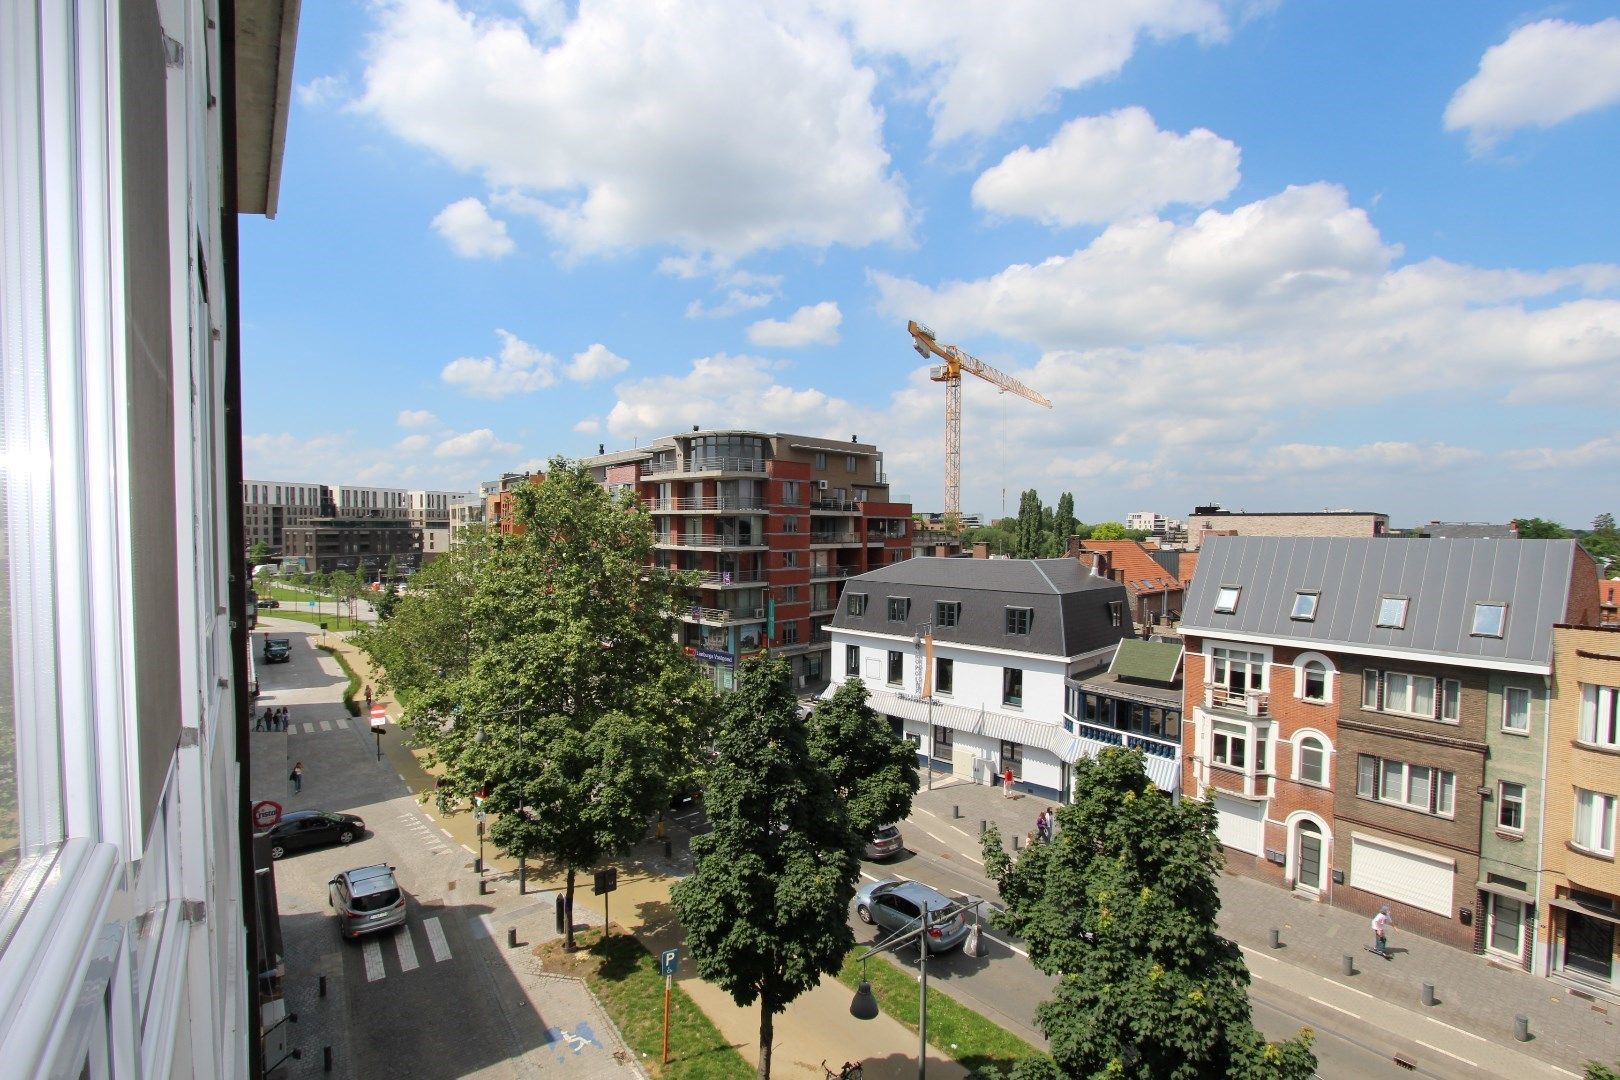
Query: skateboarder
[(1380, 929)]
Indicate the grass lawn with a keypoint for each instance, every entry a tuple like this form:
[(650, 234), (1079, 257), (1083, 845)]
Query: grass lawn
[(624, 977), (314, 618), (353, 689), (953, 1029)]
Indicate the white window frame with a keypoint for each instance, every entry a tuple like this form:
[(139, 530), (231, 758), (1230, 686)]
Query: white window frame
[(1324, 747), (1529, 698), (1226, 599), (1223, 656), (1504, 800), (1406, 707), (1439, 800), (1490, 925), (1483, 609), (944, 663), (1228, 747), (1593, 827), (1302, 663), (891, 677), (1600, 716), (1392, 612), (1306, 602), (1451, 700)]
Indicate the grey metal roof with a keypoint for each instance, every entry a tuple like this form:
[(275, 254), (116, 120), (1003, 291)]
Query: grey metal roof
[(1444, 579), (1068, 607)]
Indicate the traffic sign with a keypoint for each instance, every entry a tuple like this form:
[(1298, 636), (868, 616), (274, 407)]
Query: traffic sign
[(379, 716), (266, 814), (311, 604), (606, 881), (668, 961)]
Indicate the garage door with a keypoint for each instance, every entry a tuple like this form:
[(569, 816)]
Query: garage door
[(1424, 881), (1240, 824)]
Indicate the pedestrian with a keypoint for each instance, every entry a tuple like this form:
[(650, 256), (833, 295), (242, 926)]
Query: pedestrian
[(283, 718), (1380, 929), (258, 720), (1006, 782), (368, 697), (1040, 827), (297, 777), (1051, 822)]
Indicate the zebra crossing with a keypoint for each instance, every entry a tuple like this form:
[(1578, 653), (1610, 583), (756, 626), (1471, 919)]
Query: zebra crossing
[(433, 839), (403, 947), (311, 727)]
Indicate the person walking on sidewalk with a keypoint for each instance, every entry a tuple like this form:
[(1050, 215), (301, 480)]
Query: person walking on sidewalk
[(1006, 782), (368, 697), (297, 777), (1380, 929)]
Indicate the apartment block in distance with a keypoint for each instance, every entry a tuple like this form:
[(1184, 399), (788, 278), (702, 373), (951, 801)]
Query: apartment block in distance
[(1208, 521), (1369, 717), (269, 506), (775, 524)]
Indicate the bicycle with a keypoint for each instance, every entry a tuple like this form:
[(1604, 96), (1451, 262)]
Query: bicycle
[(850, 1071)]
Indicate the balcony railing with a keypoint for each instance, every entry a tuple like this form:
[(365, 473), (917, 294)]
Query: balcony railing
[(834, 538), (726, 580), (718, 504), (1247, 702), (848, 506), (703, 463), (709, 540), (832, 572), (723, 616), (1145, 743)]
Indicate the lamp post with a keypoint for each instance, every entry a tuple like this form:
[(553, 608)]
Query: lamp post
[(864, 1005), (925, 686)]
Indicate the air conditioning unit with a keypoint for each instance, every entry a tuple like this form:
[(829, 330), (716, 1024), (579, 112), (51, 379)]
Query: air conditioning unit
[(821, 485)]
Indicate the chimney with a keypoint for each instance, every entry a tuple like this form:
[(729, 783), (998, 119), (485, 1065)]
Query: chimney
[(601, 448), (981, 550)]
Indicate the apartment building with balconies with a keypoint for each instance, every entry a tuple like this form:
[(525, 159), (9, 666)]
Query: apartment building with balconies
[(970, 659), (269, 506), (773, 525), (1577, 940), (354, 501), (1368, 717)]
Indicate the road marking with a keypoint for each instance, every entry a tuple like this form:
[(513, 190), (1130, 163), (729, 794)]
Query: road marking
[(309, 729), (1448, 1053), (326, 725), (447, 835), (372, 951), (930, 813), (1335, 1008), (964, 832), (436, 942), (935, 839), (1259, 955), (1459, 1030), (1008, 944), (406, 949)]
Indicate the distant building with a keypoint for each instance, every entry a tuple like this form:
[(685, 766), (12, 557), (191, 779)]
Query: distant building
[(364, 544), (1470, 530), (269, 506), (1137, 703), (497, 499), (1154, 591), (1609, 602), (431, 509), (353, 501), (1207, 521)]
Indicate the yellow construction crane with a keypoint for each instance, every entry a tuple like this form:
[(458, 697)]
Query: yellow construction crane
[(950, 373)]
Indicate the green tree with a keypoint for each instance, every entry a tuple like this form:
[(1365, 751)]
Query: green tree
[(1109, 530), (871, 769), (1540, 529), (1064, 523), (559, 684), (1122, 907), (766, 910), (1029, 537), (259, 553), (1596, 1070), (1603, 523)]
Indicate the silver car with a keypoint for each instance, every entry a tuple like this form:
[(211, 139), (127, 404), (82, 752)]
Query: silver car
[(897, 905), (367, 899), (884, 844)]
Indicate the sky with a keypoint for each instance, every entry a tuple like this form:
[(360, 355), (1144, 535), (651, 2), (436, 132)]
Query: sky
[(1273, 254)]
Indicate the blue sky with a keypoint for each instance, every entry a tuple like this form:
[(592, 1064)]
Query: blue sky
[(1277, 255)]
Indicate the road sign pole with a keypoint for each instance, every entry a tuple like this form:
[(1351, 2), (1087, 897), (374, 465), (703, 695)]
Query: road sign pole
[(667, 980)]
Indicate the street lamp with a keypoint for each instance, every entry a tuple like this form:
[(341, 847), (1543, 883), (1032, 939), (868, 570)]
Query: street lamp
[(925, 686), (864, 1005)]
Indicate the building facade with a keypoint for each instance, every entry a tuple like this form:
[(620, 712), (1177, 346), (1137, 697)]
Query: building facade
[(1578, 940), (1208, 521), (1137, 703), (269, 506), (132, 134), (775, 524), (1155, 592), (367, 545), (1369, 717), (353, 501), (970, 660)]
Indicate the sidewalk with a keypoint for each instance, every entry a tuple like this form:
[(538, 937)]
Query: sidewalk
[(814, 1027), (1473, 1019)]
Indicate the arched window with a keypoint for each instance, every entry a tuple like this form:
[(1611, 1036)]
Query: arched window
[(1314, 681), (1311, 762)]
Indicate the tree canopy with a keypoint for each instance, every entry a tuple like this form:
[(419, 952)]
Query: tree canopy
[(542, 666), (1122, 907), (1541, 529), (766, 910), (874, 771)]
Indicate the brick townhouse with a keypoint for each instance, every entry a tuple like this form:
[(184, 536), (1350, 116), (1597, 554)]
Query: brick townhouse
[(1368, 715)]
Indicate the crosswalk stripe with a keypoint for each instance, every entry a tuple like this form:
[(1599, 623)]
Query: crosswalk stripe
[(406, 949), (326, 725), (372, 951), (436, 942), (309, 729)]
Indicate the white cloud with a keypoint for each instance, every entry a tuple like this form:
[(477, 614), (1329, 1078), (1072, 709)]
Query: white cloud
[(415, 444), (1099, 169), (1404, 456), (1603, 450), (815, 324), (479, 443), (709, 265), (724, 391), (645, 123), (1543, 74), (596, 362), (471, 233), (588, 426), (416, 418), (320, 91), (983, 64), (736, 302), (520, 369)]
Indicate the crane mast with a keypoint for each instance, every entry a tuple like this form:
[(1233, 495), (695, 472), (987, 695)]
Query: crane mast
[(950, 373)]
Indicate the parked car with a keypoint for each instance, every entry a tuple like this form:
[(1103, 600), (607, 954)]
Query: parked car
[(367, 899), (884, 844), (277, 650), (898, 904), (313, 828), (269, 602)]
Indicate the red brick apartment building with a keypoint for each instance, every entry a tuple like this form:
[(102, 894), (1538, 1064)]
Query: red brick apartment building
[(1368, 716), (775, 524)]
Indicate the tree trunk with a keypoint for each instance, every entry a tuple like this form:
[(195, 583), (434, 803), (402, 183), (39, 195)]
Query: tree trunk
[(767, 1020), (568, 913)]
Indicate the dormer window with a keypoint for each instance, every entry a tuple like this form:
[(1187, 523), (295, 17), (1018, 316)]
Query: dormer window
[(1018, 620), (1226, 600), (1392, 612), (857, 603), (1489, 619), (899, 608), (1305, 606)]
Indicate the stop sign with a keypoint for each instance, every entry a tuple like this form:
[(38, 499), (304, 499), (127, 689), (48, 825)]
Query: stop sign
[(266, 814)]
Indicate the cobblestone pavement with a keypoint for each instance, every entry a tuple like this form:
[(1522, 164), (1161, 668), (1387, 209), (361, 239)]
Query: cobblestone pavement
[(1477, 1000)]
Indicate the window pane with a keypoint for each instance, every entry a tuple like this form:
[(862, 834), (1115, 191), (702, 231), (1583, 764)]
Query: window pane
[(1369, 689), (1489, 619), (1448, 790), (1418, 795), (1226, 600), (1423, 695), (1304, 606), (1451, 700), (1366, 776), (1392, 612), (1396, 692), (1394, 777), (1311, 761), (1516, 714)]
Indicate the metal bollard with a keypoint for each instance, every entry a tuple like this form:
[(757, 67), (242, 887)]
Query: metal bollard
[(984, 826), (669, 850), (478, 865), (561, 925), (483, 886), (956, 810), (1276, 937), (326, 1058), (511, 937), (1349, 964), (323, 986), (1016, 841), (1428, 994), (1521, 1028)]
